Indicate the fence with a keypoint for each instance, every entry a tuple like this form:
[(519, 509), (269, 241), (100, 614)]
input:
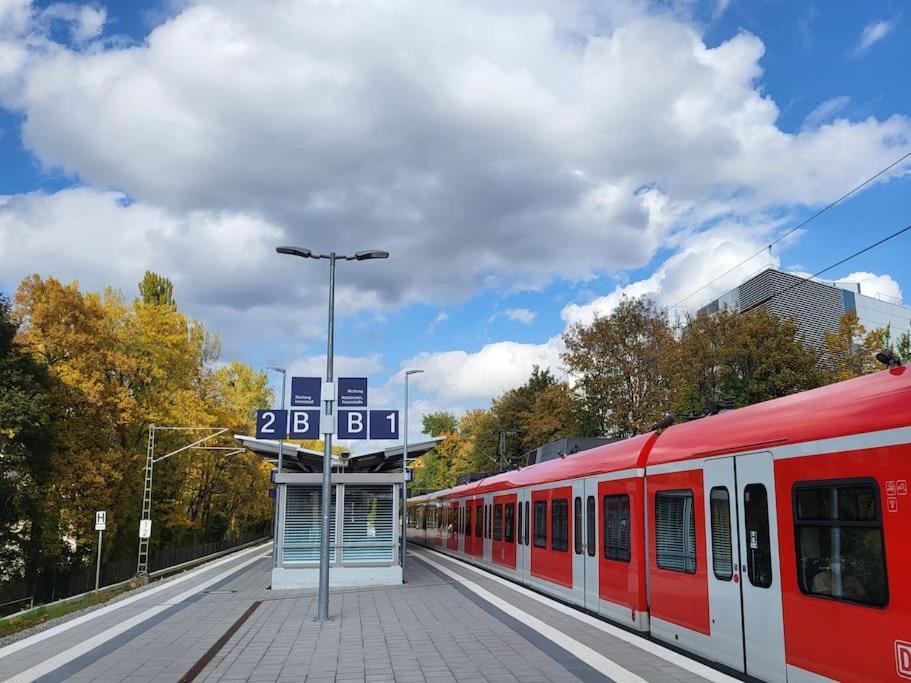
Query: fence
[(62, 585)]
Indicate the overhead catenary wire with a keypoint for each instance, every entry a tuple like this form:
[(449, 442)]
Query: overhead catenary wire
[(797, 227), (811, 278)]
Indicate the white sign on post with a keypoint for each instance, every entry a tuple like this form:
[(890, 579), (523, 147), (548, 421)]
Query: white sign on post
[(101, 520), (145, 528)]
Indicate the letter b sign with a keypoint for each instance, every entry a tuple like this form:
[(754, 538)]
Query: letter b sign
[(352, 424)]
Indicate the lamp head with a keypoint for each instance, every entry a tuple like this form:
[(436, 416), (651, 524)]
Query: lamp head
[(294, 251), (370, 254), (413, 372)]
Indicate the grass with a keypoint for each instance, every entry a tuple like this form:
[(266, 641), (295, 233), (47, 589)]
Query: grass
[(13, 624)]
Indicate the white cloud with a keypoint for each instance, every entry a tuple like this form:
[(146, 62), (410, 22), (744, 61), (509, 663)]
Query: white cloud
[(876, 285), (459, 376), (521, 315), (465, 138), (442, 316), (826, 110), (873, 33)]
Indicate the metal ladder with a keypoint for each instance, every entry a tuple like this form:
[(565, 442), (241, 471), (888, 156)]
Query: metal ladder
[(142, 568)]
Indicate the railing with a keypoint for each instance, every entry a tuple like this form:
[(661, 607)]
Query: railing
[(74, 583)]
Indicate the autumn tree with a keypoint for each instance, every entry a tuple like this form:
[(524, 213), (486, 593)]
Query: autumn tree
[(623, 368), (155, 289), (851, 351), (730, 359), (556, 413), (510, 410)]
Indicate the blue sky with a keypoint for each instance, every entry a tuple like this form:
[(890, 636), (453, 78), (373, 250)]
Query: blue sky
[(526, 163)]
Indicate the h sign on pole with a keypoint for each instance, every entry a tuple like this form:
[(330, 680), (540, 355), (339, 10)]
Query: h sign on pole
[(271, 424), (384, 424), (100, 520), (352, 424)]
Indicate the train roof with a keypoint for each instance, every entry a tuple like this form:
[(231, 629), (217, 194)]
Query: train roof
[(613, 457), (864, 404)]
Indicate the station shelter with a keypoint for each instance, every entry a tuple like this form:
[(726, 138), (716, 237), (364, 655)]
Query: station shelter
[(365, 524)]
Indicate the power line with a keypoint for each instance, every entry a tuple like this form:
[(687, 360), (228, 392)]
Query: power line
[(828, 268), (798, 226)]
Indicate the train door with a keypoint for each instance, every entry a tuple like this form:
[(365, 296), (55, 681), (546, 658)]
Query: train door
[(577, 547), (763, 627), (452, 527), (488, 527), (723, 558), (523, 535), (590, 544)]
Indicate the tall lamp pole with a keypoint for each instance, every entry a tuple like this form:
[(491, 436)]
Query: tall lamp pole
[(408, 373), (281, 444), (328, 428)]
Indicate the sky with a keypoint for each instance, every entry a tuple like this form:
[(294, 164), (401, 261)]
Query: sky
[(525, 162)]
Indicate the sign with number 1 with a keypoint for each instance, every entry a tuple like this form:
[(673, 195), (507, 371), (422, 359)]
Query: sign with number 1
[(384, 424)]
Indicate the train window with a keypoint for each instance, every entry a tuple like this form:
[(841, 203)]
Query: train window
[(559, 524), (509, 532), (489, 520), (675, 531), (540, 524), (577, 525), (478, 521), (840, 547), (468, 520), (590, 535), (616, 527), (527, 521), (722, 549), (519, 525), (759, 544), (498, 522)]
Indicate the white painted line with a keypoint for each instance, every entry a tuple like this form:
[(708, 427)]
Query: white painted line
[(142, 595), (69, 655), (594, 659), (668, 655)]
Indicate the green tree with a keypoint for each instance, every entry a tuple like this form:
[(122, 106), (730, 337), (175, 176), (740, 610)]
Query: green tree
[(556, 413), (731, 359), (510, 410), (624, 366), (156, 289), (439, 423), (851, 351)]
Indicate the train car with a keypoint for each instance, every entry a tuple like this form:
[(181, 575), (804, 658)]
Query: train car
[(771, 539)]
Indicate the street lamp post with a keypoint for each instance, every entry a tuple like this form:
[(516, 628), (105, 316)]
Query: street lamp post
[(281, 444), (323, 602), (408, 373)]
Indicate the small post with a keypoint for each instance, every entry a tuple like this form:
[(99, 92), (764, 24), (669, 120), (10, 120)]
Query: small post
[(98, 562)]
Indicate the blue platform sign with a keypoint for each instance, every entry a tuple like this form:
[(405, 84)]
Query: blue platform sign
[(352, 424), (304, 424), (305, 392), (271, 424), (352, 392), (384, 424)]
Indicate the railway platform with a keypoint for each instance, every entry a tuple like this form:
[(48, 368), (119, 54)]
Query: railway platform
[(450, 622)]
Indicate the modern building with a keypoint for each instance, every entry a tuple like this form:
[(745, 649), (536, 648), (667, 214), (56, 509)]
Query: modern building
[(364, 531), (816, 306)]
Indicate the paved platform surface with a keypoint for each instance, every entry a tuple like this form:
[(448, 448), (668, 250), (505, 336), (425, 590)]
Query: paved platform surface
[(449, 623)]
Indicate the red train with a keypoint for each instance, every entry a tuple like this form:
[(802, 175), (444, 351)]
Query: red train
[(772, 539)]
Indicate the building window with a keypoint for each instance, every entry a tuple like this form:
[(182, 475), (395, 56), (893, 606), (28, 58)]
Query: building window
[(510, 529), (840, 545), (722, 548), (541, 524), (577, 526), (675, 531), (559, 524), (498, 522), (616, 528), (759, 544)]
